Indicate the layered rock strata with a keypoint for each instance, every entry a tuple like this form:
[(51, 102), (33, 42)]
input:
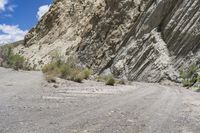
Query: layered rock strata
[(145, 40)]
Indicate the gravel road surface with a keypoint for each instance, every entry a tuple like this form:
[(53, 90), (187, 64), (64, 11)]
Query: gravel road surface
[(29, 105)]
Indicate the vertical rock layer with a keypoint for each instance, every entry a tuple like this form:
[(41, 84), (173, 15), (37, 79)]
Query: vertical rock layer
[(145, 40)]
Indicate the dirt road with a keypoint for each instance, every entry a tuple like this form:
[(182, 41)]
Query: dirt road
[(29, 105)]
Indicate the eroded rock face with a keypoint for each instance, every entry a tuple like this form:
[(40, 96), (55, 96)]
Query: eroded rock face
[(146, 40)]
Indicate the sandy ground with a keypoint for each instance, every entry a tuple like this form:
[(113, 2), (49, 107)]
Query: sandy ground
[(29, 105)]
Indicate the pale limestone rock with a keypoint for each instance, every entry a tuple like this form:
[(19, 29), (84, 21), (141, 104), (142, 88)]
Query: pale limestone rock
[(146, 40)]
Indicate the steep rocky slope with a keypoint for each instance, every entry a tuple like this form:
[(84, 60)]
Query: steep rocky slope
[(145, 40)]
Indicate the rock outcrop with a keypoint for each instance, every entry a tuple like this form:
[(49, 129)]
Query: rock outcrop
[(147, 40)]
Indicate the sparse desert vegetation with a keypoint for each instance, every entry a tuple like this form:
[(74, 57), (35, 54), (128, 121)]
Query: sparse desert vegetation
[(110, 80), (66, 70), (189, 76), (12, 60), (87, 72), (107, 79)]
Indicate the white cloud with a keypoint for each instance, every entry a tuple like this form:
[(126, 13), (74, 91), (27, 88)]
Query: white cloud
[(11, 33), (3, 4), (7, 16), (11, 8), (42, 10)]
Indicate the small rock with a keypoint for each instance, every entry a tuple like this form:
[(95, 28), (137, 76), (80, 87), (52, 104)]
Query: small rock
[(55, 86)]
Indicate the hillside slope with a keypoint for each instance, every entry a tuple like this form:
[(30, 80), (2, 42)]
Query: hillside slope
[(146, 40)]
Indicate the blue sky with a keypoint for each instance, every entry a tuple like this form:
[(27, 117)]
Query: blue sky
[(19, 16)]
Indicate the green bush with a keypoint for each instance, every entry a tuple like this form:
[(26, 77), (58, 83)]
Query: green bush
[(16, 61), (5, 53), (66, 70), (77, 77), (87, 72), (51, 69), (189, 75), (56, 70), (187, 83), (110, 80), (198, 78), (12, 60)]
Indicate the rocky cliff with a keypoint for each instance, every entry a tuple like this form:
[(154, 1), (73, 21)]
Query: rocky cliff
[(146, 40)]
